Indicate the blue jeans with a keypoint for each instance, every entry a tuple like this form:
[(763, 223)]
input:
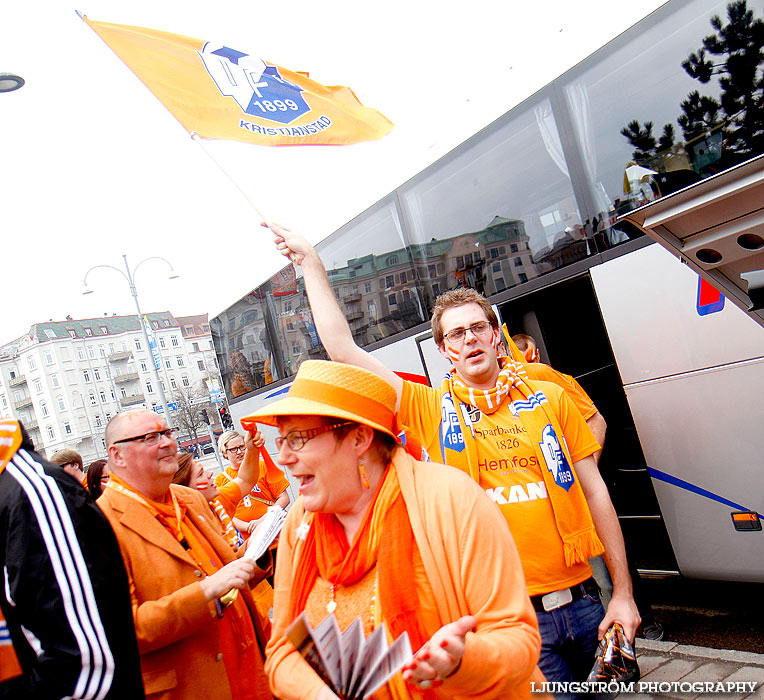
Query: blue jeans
[(569, 640)]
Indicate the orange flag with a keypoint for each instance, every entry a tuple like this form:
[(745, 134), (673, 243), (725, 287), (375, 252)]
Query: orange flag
[(219, 92)]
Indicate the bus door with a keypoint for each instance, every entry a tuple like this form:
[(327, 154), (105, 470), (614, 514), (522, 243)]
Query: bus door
[(564, 319)]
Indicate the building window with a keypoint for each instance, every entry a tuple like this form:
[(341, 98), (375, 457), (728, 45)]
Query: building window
[(67, 428), (44, 409), (149, 388), (406, 294), (86, 375), (173, 383), (61, 404), (431, 270), (392, 260), (389, 281), (123, 392), (103, 443), (108, 417), (113, 398), (180, 362), (494, 253), (496, 267), (104, 330), (403, 277), (137, 344), (92, 399), (391, 300), (38, 386), (111, 348), (189, 330), (200, 365), (513, 248), (97, 374), (144, 368), (367, 287), (166, 322), (102, 394), (48, 358), (162, 343), (184, 380), (518, 262), (80, 354), (523, 277), (168, 363), (436, 289), (72, 334), (51, 434), (32, 364), (164, 386), (101, 351), (290, 326), (195, 346), (206, 327), (174, 341), (88, 332), (155, 324), (98, 421), (91, 353)]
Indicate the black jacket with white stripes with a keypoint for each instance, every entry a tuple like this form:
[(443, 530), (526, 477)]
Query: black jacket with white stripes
[(64, 591)]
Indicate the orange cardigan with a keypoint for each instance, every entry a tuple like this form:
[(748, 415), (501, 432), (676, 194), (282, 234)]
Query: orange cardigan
[(472, 568)]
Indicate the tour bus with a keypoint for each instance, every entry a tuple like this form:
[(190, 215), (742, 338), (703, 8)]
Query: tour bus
[(545, 212)]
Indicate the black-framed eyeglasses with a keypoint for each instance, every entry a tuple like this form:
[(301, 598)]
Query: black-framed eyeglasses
[(479, 330), (296, 439), (151, 438), (238, 448)]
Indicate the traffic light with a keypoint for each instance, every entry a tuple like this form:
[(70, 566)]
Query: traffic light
[(204, 417), (225, 417)]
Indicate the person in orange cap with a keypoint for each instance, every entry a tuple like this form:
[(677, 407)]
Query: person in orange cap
[(377, 534)]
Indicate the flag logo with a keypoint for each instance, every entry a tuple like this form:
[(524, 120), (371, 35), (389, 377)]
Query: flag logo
[(257, 87), (555, 459)]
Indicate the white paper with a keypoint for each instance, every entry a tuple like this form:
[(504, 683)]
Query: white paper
[(266, 531)]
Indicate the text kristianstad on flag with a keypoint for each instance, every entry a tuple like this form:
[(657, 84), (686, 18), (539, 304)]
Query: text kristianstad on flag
[(221, 93)]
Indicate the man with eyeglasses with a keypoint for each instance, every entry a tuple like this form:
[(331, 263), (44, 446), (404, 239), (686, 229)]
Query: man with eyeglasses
[(196, 640), (522, 439)]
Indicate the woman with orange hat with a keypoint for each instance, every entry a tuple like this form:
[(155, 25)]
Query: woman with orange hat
[(418, 546)]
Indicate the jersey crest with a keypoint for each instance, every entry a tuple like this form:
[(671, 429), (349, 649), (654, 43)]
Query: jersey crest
[(556, 461)]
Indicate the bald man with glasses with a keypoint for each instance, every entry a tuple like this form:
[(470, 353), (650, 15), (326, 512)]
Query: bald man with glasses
[(196, 642)]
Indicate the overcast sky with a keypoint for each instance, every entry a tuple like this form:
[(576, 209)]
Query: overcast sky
[(93, 166)]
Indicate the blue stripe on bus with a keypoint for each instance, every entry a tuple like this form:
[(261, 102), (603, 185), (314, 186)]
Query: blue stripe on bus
[(279, 392), (687, 486)]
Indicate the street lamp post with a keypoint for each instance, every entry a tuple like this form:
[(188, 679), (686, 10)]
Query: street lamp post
[(130, 277)]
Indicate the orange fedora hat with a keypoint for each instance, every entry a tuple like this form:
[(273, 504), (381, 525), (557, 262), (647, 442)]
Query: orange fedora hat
[(335, 390)]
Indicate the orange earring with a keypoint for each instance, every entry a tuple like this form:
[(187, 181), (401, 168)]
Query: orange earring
[(364, 479)]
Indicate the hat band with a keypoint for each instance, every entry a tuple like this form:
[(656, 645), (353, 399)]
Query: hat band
[(345, 400)]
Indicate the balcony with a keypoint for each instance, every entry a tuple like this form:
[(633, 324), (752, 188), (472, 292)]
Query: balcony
[(124, 378), (120, 356), (17, 381), (30, 424), (352, 298), (23, 403), (354, 315), (132, 400)]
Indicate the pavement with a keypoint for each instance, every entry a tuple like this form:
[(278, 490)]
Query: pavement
[(672, 670)]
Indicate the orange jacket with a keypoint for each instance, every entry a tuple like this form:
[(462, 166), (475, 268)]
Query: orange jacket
[(181, 655)]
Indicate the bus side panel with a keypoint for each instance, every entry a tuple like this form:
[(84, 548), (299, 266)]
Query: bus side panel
[(694, 388), (703, 441)]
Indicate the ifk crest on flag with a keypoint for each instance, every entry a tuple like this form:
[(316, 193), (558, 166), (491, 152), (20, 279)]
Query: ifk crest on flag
[(219, 92)]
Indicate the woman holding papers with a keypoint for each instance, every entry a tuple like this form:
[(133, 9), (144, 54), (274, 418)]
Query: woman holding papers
[(377, 534), (223, 500)]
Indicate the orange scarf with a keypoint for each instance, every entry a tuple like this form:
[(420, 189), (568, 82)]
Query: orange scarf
[(515, 392), (9, 662), (326, 552)]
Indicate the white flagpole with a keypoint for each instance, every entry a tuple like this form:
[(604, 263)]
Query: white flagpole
[(200, 141)]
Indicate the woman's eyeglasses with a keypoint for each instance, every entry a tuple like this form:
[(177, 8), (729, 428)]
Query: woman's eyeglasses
[(296, 439)]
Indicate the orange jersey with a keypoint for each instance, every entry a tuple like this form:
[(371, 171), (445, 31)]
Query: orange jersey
[(511, 475), (576, 393), (265, 492)]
